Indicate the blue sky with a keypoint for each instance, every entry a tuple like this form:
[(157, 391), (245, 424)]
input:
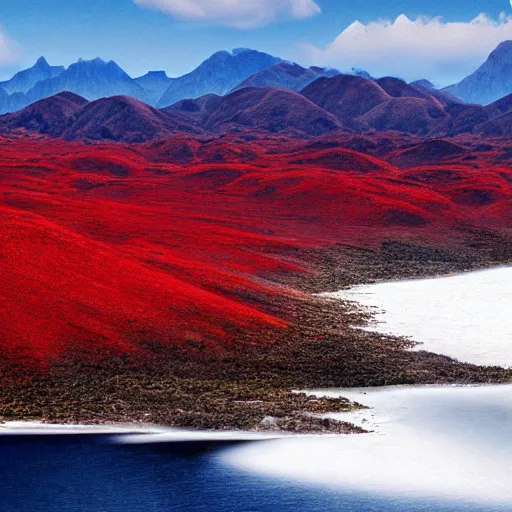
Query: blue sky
[(140, 37)]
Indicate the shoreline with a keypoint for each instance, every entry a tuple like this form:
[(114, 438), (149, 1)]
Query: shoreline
[(444, 315), (448, 444), (368, 417), (260, 399)]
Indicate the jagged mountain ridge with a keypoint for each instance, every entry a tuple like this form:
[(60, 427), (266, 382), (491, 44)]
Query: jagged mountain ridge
[(24, 80), (91, 79), (97, 78), (224, 72)]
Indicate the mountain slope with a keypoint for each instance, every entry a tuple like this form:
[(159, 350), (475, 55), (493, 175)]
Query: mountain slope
[(50, 116), (430, 151), (498, 126), (24, 80), (267, 109), (121, 118), (92, 80), (489, 82), (391, 104), (346, 96), (286, 76), (154, 85), (218, 75), (425, 84), (117, 118), (11, 102), (196, 109), (464, 118), (417, 116), (398, 88), (80, 289), (501, 106)]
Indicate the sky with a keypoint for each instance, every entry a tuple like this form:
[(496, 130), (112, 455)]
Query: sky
[(442, 40)]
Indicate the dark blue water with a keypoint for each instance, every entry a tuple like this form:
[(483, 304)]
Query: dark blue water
[(90, 475)]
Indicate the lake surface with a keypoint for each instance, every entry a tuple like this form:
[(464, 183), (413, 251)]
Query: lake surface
[(432, 448), (465, 316), (88, 473), (450, 446)]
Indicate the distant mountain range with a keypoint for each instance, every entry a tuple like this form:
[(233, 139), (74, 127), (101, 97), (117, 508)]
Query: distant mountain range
[(342, 103), (92, 79), (245, 89), (96, 79), (220, 74)]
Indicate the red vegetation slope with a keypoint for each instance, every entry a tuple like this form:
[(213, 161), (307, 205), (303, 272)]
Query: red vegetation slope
[(177, 242)]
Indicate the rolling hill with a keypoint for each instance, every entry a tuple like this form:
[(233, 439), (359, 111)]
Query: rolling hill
[(346, 96), (271, 110), (126, 119), (345, 103), (114, 247), (50, 116), (117, 118)]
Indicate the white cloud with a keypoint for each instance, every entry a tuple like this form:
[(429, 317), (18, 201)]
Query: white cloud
[(9, 50), (235, 13), (430, 48)]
